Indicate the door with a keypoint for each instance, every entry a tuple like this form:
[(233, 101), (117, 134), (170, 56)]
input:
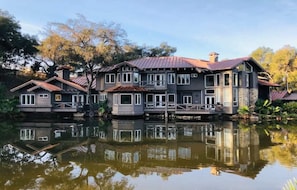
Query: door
[(209, 102), (160, 100)]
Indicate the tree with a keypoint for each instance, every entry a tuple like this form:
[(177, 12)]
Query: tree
[(15, 48), (263, 56), (283, 65), (83, 44)]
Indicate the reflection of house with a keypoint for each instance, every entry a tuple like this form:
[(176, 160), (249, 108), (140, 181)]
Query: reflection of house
[(56, 94), (177, 85)]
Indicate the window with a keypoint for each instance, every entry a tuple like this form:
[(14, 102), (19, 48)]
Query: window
[(126, 68), (235, 79), (58, 97), (137, 99), (171, 78), (226, 79), (27, 134), (94, 98), (102, 97), (209, 80), (159, 79), (150, 79), (183, 79), (43, 95), (136, 77), (247, 80), (217, 79), (171, 100), (235, 97), (187, 99), (126, 99), (126, 77), (149, 100), (109, 78), (27, 99)]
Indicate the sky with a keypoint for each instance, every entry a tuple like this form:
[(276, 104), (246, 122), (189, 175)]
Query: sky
[(232, 28)]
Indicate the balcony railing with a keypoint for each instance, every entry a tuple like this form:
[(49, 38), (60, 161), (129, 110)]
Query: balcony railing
[(154, 85)]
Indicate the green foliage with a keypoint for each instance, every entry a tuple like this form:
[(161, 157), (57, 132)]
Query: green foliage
[(244, 110), (265, 107), (15, 46), (290, 107)]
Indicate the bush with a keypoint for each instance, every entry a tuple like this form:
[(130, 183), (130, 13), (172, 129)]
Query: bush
[(290, 107)]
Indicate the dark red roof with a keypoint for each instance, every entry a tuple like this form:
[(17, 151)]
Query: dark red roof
[(278, 95), (126, 89), (267, 83), (82, 81)]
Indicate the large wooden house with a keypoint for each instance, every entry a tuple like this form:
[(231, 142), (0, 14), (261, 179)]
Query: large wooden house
[(181, 86), (58, 94)]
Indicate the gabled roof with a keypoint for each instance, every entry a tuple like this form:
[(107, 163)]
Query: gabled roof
[(182, 62), (82, 81), (232, 63), (167, 62), (72, 84), (126, 89), (37, 84), (278, 95)]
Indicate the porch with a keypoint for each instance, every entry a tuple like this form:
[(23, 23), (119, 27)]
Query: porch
[(186, 109), (72, 107)]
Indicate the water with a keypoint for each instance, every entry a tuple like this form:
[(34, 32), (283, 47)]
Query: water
[(145, 155)]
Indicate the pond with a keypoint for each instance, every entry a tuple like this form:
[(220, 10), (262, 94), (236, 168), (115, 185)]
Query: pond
[(143, 155)]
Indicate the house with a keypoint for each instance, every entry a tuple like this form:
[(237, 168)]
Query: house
[(55, 95), (181, 86), (284, 96)]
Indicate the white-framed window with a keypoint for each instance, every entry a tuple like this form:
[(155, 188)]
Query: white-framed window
[(235, 96), (235, 79), (136, 77), (27, 134), (126, 77), (209, 80), (218, 79), (247, 80), (126, 99), (183, 79), (102, 97), (149, 100), (159, 79), (187, 99), (137, 98), (28, 99), (78, 100), (171, 100), (226, 79), (171, 78), (94, 97), (43, 95), (126, 68), (150, 79), (110, 78)]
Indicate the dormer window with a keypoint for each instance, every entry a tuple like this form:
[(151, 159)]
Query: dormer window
[(109, 78), (126, 68)]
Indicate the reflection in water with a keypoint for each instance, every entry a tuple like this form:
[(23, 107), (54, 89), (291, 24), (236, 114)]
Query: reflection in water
[(80, 154)]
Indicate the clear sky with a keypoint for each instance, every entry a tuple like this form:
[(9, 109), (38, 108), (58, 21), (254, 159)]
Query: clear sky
[(232, 28)]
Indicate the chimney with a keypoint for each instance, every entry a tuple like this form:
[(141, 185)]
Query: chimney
[(213, 57), (63, 72)]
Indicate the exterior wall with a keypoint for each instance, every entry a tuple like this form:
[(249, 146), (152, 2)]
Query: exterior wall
[(126, 109)]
